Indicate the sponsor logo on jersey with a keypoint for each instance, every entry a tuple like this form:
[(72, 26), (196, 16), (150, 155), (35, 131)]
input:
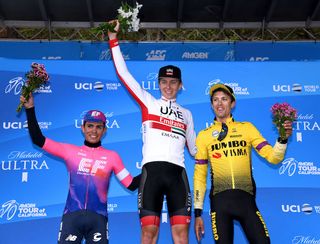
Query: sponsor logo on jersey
[(88, 166), (231, 148)]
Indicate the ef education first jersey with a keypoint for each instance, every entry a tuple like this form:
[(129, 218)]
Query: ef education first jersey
[(167, 127), (90, 170), (230, 158)]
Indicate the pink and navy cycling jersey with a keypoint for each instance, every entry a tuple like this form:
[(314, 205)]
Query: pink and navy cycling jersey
[(90, 170), (166, 126)]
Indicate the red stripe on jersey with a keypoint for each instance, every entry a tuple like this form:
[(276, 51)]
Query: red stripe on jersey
[(168, 122), (155, 125)]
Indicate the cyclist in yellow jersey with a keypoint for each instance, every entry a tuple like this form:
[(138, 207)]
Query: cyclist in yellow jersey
[(226, 148)]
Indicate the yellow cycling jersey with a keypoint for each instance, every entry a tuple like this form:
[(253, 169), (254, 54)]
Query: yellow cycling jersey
[(230, 158)]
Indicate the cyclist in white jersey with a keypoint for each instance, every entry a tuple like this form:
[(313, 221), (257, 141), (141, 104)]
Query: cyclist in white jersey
[(167, 128)]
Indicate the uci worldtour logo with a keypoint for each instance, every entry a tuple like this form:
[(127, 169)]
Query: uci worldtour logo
[(15, 125), (97, 86), (111, 123), (237, 89), (290, 167), (12, 208), (305, 208), (112, 207), (296, 87), (16, 83), (24, 162)]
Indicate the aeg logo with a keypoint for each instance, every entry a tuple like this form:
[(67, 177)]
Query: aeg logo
[(156, 55)]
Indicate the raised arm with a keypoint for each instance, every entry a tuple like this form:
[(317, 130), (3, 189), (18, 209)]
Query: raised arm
[(134, 88), (33, 126)]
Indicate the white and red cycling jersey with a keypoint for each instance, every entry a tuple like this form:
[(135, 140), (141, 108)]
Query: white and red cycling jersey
[(90, 169), (166, 126)]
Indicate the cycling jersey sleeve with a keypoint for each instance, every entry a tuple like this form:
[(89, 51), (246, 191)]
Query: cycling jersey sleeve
[(191, 135), (273, 154), (120, 171), (134, 183), (55, 148), (200, 173), (134, 88), (33, 128)]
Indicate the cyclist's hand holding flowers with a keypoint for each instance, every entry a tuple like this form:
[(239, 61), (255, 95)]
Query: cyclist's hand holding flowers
[(283, 116)]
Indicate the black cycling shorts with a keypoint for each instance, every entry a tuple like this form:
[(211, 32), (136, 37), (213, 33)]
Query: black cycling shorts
[(161, 179), (238, 205), (83, 224)]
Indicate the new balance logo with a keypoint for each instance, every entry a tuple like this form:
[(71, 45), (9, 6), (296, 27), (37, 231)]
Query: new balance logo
[(71, 238)]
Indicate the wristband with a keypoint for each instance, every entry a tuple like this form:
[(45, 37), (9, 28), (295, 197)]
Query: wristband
[(113, 43), (282, 141), (197, 212)]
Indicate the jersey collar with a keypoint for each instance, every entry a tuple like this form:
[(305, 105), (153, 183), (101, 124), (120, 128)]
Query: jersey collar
[(94, 145), (229, 120)]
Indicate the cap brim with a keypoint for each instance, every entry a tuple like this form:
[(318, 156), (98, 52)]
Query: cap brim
[(223, 87)]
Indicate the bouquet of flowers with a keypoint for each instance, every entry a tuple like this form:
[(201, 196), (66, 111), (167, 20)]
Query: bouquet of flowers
[(127, 17), (283, 112), (36, 78)]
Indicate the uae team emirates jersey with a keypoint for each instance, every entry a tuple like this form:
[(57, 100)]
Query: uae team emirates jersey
[(167, 127), (90, 170)]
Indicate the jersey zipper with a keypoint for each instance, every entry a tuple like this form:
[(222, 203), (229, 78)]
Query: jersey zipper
[(232, 174)]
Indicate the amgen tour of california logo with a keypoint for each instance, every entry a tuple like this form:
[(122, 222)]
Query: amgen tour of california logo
[(16, 83), (12, 208), (290, 167), (237, 89)]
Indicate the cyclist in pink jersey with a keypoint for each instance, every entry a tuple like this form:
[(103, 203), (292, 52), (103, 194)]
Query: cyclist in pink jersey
[(167, 129), (90, 167)]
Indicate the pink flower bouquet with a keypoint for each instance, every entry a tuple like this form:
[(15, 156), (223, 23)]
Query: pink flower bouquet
[(283, 112), (36, 78)]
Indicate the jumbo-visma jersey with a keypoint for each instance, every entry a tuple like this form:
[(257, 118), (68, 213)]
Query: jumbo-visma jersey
[(166, 126), (230, 159)]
